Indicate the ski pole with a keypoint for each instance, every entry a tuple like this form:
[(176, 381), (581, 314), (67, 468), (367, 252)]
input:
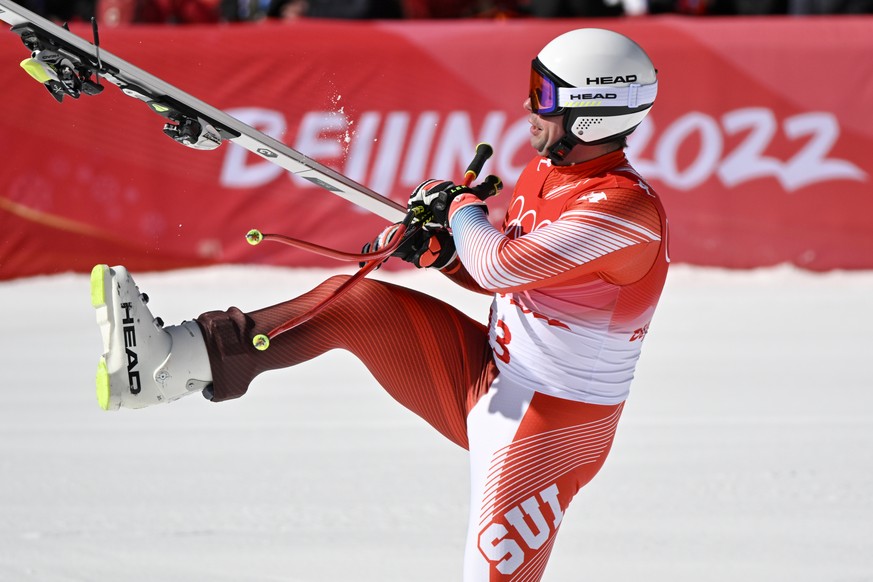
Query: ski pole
[(255, 236), (262, 341)]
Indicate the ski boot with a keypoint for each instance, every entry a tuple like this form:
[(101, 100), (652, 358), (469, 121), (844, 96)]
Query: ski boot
[(143, 363)]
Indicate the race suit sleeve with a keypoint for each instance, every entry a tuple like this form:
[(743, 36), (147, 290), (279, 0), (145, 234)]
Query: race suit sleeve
[(456, 273), (616, 239)]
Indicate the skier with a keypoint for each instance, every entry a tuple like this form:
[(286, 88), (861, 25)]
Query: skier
[(535, 396)]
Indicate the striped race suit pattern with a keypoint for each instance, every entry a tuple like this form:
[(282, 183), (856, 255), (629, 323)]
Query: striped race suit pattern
[(576, 270)]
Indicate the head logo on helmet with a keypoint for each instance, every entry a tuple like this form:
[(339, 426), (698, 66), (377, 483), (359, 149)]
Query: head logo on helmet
[(601, 82)]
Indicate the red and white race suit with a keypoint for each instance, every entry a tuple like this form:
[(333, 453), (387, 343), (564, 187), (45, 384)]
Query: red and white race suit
[(576, 271)]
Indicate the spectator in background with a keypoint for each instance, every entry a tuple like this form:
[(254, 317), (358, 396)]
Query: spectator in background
[(288, 9), (574, 8), (760, 7), (808, 7), (116, 12), (180, 11), (423, 9), (61, 10), (690, 7), (757, 7), (244, 10), (719, 7), (340, 9)]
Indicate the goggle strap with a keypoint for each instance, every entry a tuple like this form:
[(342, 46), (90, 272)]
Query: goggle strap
[(632, 96)]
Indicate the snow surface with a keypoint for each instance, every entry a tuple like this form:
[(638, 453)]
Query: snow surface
[(745, 452)]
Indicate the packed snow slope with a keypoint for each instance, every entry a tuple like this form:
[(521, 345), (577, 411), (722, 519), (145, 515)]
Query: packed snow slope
[(745, 451)]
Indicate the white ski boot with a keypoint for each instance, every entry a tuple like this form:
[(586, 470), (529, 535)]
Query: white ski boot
[(144, 363)]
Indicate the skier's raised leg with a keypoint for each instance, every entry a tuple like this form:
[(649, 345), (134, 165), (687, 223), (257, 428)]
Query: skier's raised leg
[(143, 363)]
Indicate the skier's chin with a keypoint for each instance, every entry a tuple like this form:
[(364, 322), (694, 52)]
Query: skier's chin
[(542, 138), (538, 140), (540, 144)]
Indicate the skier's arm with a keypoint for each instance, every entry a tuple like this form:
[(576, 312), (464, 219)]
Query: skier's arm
[(616, 239), (456, 273)]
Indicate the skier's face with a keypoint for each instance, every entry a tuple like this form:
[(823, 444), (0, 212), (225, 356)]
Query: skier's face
[(545, 130)]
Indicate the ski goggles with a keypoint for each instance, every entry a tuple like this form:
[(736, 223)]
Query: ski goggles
[(547, 97), (543, 91)]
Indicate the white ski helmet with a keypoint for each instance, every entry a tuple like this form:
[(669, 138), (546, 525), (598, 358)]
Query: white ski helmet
[(602, 82)]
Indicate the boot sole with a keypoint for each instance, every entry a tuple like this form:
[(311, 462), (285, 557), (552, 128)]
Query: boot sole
[(101, 277)]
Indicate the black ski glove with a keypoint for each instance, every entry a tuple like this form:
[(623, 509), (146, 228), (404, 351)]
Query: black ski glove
[(431, 200), (427, 247)]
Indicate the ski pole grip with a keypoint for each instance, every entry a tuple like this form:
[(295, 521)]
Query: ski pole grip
[(483, 152), (94, 32)]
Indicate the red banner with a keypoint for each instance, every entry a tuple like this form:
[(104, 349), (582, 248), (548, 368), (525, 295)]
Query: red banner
[(759, 142)]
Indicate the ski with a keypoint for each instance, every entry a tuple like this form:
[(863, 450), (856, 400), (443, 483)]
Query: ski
[(69, 67)]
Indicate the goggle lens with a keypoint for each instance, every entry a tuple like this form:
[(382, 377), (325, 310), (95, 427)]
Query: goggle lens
[(543, 95)]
